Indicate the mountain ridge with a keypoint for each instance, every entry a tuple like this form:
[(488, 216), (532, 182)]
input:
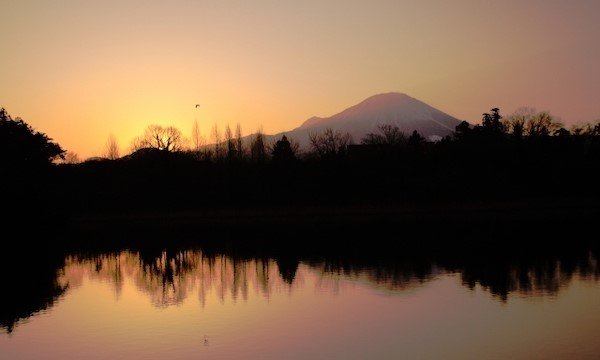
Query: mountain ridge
[(391, 108)]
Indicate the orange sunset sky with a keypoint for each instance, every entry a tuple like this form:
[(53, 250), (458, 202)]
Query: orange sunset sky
[(80, 70)]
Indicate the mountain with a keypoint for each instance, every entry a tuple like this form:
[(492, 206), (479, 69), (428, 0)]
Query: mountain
[(391, 108)]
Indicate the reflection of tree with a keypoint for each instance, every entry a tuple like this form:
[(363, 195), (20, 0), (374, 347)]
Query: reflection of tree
[(534, 272), (106, 267), (287, 268), (166, 276), (169, 277), (386, 274), (537, 276), (28, 290), (240, 280), (262, 276)]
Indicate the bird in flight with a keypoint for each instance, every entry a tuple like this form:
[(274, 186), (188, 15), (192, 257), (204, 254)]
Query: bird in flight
[(197, 105)]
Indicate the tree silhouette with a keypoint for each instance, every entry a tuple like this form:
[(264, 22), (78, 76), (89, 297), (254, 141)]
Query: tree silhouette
[(216, 138), (238, 142), (515, 123), (390, 135), (167, 139), (197, 140), (562, 133), (528, 122), (491, 122), (416, 141), (21, 146), (112, 148), (283, 151), (462, 130), (541, 125), (258, 151), (230, 143), (71, 158), (330, 143)]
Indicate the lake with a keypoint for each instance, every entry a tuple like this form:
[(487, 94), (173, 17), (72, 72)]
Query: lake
[(204, 304)]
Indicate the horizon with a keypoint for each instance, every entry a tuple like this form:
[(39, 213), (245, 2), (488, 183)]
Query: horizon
[(80, 73), (124, 145)]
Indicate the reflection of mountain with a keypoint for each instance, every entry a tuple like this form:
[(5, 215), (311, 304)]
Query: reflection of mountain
[(169, 277)]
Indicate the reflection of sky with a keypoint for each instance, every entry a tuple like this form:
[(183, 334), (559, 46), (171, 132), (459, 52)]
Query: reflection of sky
[(319, 316)]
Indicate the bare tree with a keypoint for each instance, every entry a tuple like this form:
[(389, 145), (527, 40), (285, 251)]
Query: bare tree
[(527, 121), (238, 142), (197, 139), (216, 138), (295, 146), (230, 144), (588, 129), (542, 124), (111, 151), (389, 135), (71, 158), (515, 123), (168, 139), (329, 143)]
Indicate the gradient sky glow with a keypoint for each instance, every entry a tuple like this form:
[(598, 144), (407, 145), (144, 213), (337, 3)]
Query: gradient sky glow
[(79, 70)]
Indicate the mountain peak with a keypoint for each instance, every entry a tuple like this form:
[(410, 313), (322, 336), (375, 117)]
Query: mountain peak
[(391, 108), (312, 121), (389, 96), (372, 102), (383, 101)]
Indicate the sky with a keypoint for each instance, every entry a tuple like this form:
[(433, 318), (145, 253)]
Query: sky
[(80, 70)]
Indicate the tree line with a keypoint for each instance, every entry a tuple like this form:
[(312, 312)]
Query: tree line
[(522, 160), (23, 145)]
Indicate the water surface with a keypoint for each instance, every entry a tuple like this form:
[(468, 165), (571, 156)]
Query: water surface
[(188, 304)]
